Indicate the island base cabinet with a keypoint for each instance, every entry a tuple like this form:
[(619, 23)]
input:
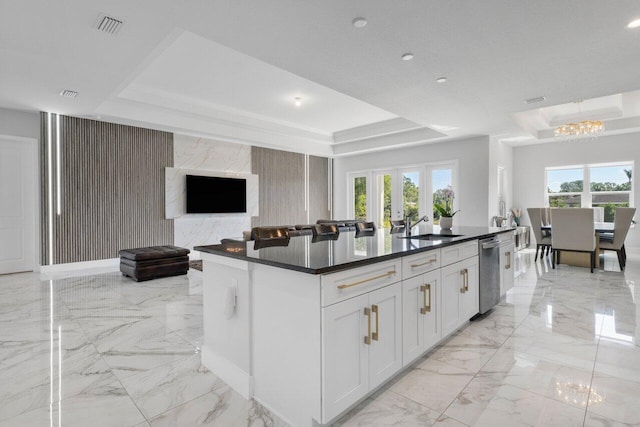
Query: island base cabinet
[(361, 347), (420, 322), (459, 301)]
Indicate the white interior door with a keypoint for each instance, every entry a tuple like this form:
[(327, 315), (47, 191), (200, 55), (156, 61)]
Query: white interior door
[(17, 205)]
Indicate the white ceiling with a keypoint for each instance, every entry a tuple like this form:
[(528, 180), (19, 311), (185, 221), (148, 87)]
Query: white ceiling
[(230, 69)]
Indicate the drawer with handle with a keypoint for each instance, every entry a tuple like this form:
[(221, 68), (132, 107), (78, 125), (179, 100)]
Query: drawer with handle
[(455, 253), (423, 262), (346, 284)]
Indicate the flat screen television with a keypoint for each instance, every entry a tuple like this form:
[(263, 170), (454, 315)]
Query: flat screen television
[(212, 194)]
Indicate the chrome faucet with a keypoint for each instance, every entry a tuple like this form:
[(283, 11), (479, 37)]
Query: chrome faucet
[(409, 226)]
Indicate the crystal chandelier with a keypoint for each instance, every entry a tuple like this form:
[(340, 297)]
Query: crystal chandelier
[(585, 128)]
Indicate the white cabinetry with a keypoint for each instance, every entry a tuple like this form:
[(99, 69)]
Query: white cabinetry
[(420, 315), (361, 346), (309, 347), (507, 270), (459, 301)]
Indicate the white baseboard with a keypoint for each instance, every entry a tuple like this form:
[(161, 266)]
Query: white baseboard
[(84, 265), (235, 377)]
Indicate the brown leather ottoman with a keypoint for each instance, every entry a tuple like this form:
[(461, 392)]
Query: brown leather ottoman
[(153, 262)]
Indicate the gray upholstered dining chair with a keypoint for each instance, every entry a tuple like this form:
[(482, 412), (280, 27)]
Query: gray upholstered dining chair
[(573, 231), (542, 242), (615, 241)]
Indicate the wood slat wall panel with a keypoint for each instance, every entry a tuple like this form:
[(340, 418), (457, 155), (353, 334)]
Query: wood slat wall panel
[(112, 190), (319, 188), (282, 187), (282, 182)]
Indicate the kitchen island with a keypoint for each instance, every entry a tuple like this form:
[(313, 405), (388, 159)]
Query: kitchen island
[(312, 325)]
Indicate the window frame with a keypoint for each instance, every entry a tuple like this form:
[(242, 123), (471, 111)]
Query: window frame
[(586, 195), (425, 192)]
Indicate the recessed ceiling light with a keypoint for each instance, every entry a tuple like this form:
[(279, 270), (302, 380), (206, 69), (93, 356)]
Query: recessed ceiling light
[(69, 93), (443, 128), (634, 24), (407, 56), (298, 101), (441, 79), (359, 22)]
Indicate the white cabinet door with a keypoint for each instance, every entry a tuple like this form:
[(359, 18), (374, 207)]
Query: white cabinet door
[(431, 318), (345, 355), (470, 299), (420, 320), (385, 351), (459, 289), (452, 290), (506, 268), (412, 323)]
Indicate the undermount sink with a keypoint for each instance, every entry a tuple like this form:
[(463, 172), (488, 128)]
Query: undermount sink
[(432, 236)]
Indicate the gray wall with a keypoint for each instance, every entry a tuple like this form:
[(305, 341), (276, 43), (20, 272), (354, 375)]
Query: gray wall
[(112, 190), (19, 123)]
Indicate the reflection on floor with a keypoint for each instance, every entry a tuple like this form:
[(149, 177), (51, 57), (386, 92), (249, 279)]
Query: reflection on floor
[(101, 350)]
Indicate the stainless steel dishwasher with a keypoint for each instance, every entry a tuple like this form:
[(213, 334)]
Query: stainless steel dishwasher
[(489, 289)]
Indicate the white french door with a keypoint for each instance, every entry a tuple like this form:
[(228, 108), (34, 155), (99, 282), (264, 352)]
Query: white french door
[(439, 177), (398, 194), (17, 204)]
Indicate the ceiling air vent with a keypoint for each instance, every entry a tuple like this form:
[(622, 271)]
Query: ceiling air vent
[(69, 93), (109, 24), (535, 100)]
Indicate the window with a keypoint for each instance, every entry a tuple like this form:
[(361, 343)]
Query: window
[(411, 195), (565, 187), (394, 194), (610, 187), (603, 186), (441, 181), (360, 197)]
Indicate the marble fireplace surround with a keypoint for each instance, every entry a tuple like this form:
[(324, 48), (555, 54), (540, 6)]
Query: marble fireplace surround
[(197, 229)]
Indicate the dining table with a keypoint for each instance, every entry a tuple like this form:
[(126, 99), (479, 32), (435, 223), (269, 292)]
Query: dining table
[(583, 259), (600, 227)]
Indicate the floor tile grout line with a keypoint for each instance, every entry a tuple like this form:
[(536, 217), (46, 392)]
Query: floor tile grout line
[(593, 373)]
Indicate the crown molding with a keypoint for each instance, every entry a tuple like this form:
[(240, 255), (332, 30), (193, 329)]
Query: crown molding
[(415, 136), (385, 127)]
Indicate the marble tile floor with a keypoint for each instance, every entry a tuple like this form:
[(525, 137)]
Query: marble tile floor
[(94, 348)]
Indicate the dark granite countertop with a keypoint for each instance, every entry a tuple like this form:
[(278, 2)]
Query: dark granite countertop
[(311, 255)]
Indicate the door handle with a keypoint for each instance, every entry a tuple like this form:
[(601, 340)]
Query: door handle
[(426, 308), (466, 280), (376, 334), (508, 266), (367, 338), (462, 289)]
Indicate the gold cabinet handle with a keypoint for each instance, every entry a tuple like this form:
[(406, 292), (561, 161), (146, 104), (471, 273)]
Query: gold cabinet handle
[(376, 334), (426, 308), (462, 289), (431, 261), (466, 280), (508, 266), (367, 338), (360, 282)]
